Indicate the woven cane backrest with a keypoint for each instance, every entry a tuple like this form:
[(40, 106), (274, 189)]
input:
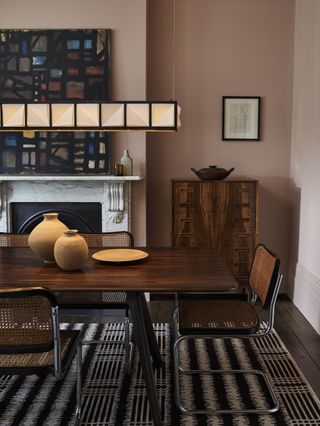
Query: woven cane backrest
[(25, 323), (13, 240), (109, 239), (264, 274)]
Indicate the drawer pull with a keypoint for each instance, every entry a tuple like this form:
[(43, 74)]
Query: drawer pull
[(187, 219), (187, 234), (242, 205), (186, 189)]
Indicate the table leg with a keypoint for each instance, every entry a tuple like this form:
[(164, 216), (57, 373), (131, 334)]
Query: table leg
[(153, 345), (141, 337)]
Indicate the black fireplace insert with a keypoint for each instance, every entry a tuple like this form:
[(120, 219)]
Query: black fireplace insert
[(86, 217)]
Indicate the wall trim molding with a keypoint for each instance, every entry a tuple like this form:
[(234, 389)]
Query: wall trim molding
[(306, 295)]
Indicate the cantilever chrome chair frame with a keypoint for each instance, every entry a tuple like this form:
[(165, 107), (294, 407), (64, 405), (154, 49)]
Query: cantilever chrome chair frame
[(264, 329)]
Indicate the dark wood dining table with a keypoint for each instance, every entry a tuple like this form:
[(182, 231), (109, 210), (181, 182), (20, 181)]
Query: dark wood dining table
[(164, 270)]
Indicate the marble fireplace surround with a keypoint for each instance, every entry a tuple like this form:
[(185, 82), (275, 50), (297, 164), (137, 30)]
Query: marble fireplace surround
[(113, 192)]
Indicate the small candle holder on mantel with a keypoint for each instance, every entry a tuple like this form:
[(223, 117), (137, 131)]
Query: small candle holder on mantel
[(118, 169)]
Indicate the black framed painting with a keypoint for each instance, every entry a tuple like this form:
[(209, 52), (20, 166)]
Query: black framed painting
[(55, 65), (241, 118)]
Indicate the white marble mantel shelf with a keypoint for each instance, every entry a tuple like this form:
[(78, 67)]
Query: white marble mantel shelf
[(113, 192), (103, 178)]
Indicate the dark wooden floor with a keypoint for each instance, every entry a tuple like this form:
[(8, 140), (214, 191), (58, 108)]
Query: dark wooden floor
[(297, 334)]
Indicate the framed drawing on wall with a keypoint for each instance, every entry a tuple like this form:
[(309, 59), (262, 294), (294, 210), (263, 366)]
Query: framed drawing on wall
[(241, 118)]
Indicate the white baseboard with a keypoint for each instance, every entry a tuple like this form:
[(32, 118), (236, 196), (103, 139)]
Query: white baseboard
[(306, 295)]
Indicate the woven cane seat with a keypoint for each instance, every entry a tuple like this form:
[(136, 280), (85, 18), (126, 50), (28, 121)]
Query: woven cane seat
[(36, 360), (217, 316)]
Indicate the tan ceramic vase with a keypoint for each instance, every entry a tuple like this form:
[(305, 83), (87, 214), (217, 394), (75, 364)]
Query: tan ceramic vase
[(43, 236), (71, 251)]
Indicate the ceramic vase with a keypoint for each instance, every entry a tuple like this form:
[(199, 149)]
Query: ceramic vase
[(71, 251), (43, 237)]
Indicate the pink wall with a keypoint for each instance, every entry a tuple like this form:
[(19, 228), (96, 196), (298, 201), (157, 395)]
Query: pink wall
[(127, 19), (305, 171), (223, 47)]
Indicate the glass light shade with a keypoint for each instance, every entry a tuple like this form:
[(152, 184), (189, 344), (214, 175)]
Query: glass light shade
[(163, 115), (38, 115), (138, 115), (112, 115), (62, 115), (13, 115), (87, 115), (178, 116)]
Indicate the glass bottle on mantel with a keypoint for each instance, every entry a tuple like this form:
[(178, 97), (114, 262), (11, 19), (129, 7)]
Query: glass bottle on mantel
[(126, 161)]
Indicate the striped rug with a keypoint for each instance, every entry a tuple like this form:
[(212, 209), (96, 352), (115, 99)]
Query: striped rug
[(112, 399)]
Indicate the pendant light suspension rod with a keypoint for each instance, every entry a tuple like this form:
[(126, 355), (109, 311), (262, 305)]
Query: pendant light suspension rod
[(173, 47)]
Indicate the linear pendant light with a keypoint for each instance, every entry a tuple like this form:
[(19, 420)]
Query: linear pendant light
[(103, 116), (98, 116)]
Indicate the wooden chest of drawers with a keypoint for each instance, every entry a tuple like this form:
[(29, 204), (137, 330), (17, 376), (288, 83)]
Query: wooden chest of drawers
[(218, 214)]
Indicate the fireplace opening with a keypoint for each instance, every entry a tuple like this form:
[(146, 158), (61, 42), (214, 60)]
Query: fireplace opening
[(86, 217)]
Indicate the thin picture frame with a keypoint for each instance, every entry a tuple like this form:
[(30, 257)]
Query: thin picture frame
[(241, 118)]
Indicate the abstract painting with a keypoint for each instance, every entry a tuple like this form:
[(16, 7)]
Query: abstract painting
[(54, 65)]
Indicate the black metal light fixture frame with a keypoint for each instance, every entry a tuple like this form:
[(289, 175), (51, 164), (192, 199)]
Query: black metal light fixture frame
[(153, 122)]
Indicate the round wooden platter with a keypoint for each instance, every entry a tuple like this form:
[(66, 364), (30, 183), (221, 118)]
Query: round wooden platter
[(120, 255)]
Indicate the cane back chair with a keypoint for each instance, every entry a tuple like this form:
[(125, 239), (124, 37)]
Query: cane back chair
[(30, 339), (227, 317), (13, 240), (86, 300), (103, 300)]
